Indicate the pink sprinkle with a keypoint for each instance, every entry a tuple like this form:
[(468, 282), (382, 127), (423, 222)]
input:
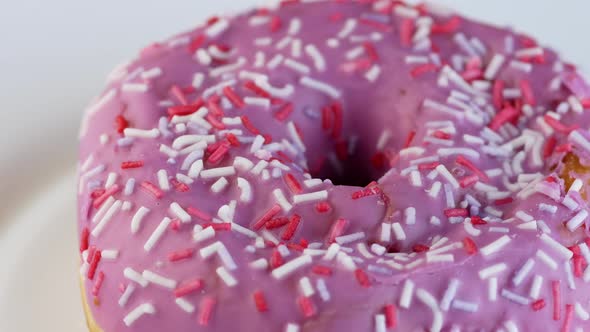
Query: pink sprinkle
[(273, 211), (527, 92), (498, 97), (188, 287), (503, 201), (131, 164), (507, 114), (206, 310), (198, 213), (406, 31), (456, 212), (322, 270), (337, 229), (569, 314), (84, 239), (556, 292), (292, 183), (420, 70), (291, 228), (323, 207), (418, 248), (98, 284), (428, 166), (94, 264), (461, 160), (107, 193), (538, 305), (362, 278), (409, 139), (151, 189), (180, 255), (284, 112), (219, 153)]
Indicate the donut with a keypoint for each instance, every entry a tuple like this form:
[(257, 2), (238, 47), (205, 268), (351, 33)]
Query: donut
[(337, 166)]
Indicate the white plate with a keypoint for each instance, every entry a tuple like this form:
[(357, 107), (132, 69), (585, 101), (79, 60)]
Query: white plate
[(38, 245)]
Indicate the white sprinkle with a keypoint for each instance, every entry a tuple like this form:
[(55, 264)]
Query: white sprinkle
[(217, 28), (535, 290), (318, 59), (449, 294), (444, 172), (245, 190), (297, 66), (410, 215), (492, 270), (218, 172), (126, 295), (158, 279), (292, 131), (226, 277), (333, 249), (275, 61), (348, 28), (103, 209), (140, 310), (256, 101), (292, 327), (407, 294), (320, 86), (110, 254), (465, 306), (286, 269), (435, 189), (140, 133), (294, 26), (310, 197), (386, 229), (430, 302), (523, 272), (577, 220), (219, 185), (306, 287), (259, 264), (511, 326), (380, 323), (494, 66), (157, 234), (415, 179), (569, 275), (398, 231), (515, 297), (106, 219), (282, 200), (198, 79), (373, 73), (134, 87), (556, 246), (196, 169), (345, 239), (163, 180), (493, 289), (185, 305), (180, 213), (550, 262), (522, 66), (495, 246), (133, 275), (581, 312)]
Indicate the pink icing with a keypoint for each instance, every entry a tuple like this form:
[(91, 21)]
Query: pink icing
[(465, 228)]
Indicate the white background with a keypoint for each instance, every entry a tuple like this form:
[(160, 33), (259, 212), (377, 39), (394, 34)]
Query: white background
[(54, 55)]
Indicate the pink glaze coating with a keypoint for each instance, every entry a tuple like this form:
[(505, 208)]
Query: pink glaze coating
[(199, 207)]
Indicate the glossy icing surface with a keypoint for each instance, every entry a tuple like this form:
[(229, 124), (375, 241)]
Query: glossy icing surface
[(200, 207)]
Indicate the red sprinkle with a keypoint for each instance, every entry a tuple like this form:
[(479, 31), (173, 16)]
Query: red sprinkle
[(558, 126), (362, 278), (322, 270), (477, 220), (233, 97), (469, 181), (84, 239), (181, 254), (219, 226), (390, 316), (131, 164), (470, 246), (507, 114), (248, 125), (549, 147), (98, 284), (538, 305), (151, 189), (409, 139), (418, 248), (196, 43), (260, 301), (121, 124), (498, 96), (276, 259), (206, 310), (276, 223), (527, 92), (556, 292), (420, 70), (250, 85), (94, 264), (182, 110), (326, 118), (406, 31), (291, 228), (273, 211), (428, 166), (449, 26), (218, 155), (337, 128), (306, 306), (188, 287), (503, 201), (461, 160), (569, 314), (275, 24)]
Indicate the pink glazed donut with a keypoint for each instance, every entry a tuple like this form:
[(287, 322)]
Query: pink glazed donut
[(333, 166)]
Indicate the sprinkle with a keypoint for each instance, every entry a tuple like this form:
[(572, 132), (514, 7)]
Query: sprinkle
[(577, 220), (495, 246), (318, 59), (126, 295), (131, 274), (188, 288), (581, 312), (219, 249), (226, 277), (310, 197), (288, 268), (449, 294), (306, 306), (321, 87), (550, 262), (106, 219), (492, 270), (556, 293), (218, 172), (185, 305), (493, 289), (442, 170), (515, 297), (380, 325), (260, 301), (407, 294), (219, 185), (431, 302), (206, 310), (535, 290), (494, 66), (140, 310), (152, 189), (410, 215), (140, 133), (292, 327), (157, 234), (158, 279), (465, 306), (556, 246)]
